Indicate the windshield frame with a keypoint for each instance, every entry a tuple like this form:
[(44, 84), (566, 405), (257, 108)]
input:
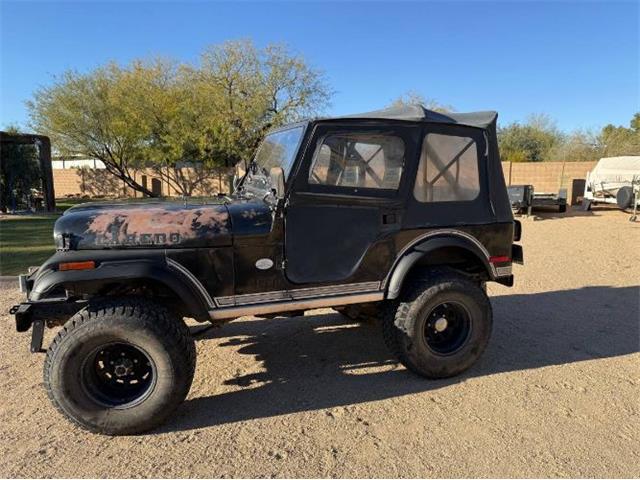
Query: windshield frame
[(254, 178)]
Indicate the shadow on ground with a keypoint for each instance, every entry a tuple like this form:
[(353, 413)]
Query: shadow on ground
[(316, 362)]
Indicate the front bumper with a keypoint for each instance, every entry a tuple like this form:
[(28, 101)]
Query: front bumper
[(37, 315), (54, 311), (23, 316), (24, 322)]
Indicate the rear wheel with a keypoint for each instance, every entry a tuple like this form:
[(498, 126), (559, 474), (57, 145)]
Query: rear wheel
[(441, 325), (120, 367)]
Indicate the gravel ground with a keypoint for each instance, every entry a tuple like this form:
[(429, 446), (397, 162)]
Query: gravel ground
[(556, 394)]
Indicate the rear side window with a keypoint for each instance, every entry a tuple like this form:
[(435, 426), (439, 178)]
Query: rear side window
[(358, 160), (448, 169)]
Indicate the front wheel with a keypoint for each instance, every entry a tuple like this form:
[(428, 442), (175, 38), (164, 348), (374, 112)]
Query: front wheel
[(120, 367), (441, 326)]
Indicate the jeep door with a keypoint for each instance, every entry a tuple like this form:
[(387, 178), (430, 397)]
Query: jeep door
[(346, 202)]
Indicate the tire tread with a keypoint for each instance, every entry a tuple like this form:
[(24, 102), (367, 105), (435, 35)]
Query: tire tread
[(150, 314), (398, 322)]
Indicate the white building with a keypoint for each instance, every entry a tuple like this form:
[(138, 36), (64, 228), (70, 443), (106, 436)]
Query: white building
[(62, 163)]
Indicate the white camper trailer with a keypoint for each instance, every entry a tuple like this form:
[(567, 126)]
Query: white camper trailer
[(613, 180)]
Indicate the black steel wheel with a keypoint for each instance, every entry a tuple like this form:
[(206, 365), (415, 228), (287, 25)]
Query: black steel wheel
[(441, 325), (447, 328), (120, 366), (118, 375)]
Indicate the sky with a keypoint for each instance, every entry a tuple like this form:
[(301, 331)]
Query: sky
[(578, 62)]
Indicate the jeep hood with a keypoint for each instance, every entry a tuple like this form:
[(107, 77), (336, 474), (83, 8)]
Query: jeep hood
[(148, 224)]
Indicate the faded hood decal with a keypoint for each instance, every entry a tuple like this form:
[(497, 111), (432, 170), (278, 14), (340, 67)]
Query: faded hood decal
[(155, 226)]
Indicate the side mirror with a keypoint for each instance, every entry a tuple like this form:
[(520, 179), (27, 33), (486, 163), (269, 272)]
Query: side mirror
[(277, 181)]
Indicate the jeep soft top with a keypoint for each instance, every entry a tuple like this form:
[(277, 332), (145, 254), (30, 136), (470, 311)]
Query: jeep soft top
[(399, 215)]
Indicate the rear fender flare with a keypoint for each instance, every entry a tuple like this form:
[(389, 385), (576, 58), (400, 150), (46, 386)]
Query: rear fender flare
[(427, 244)]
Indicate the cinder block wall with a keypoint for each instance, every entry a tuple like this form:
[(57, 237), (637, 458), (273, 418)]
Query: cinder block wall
[(548, 177), (99, 183), (66, 182)]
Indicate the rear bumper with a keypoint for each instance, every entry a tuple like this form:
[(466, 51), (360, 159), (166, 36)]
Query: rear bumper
[(517, 254), (507, 280)]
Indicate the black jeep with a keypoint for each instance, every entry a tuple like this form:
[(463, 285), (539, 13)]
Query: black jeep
[(400, 215)]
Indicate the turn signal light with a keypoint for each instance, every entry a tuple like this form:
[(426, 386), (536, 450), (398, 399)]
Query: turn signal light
[(88, 265)]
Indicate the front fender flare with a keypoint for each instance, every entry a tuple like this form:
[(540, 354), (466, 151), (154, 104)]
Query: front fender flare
[(185, 287)]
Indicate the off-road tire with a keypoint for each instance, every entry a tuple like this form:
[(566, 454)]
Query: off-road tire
[(145, 325), (404, 326)]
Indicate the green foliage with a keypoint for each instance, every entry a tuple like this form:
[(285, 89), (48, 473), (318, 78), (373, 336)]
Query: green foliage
[(528, 142), (88, 114), (617, 141), (578, 146), (184, 121), (539, 140), (19, 173)]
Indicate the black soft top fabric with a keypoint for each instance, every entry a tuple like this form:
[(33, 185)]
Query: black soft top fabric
[(500, 207), (418, 113)]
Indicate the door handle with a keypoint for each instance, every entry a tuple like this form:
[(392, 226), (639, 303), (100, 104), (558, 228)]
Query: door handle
[(389, 218)]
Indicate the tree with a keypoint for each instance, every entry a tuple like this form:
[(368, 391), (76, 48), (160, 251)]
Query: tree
[(86, 114), (532, 141), (253, 90), (183, 121), (539, 140), (620, 140), (414, 98), (171, 116), (577, 146)]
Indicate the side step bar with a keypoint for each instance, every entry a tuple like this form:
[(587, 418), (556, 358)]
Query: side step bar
[(278, 307)]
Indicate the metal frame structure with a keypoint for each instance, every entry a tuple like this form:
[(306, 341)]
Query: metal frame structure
[(44, 157)]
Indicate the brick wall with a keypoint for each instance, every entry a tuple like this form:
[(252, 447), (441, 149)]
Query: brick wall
[(546, 177), (66, 182), (99, 183)]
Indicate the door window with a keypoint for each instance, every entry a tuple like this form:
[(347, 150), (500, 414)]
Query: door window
[(448, 169), (358, 160)]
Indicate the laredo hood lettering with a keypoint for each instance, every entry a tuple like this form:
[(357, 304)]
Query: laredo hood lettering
[(144, 225)]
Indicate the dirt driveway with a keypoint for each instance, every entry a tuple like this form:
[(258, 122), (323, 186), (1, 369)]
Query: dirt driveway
[(556, 394)]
